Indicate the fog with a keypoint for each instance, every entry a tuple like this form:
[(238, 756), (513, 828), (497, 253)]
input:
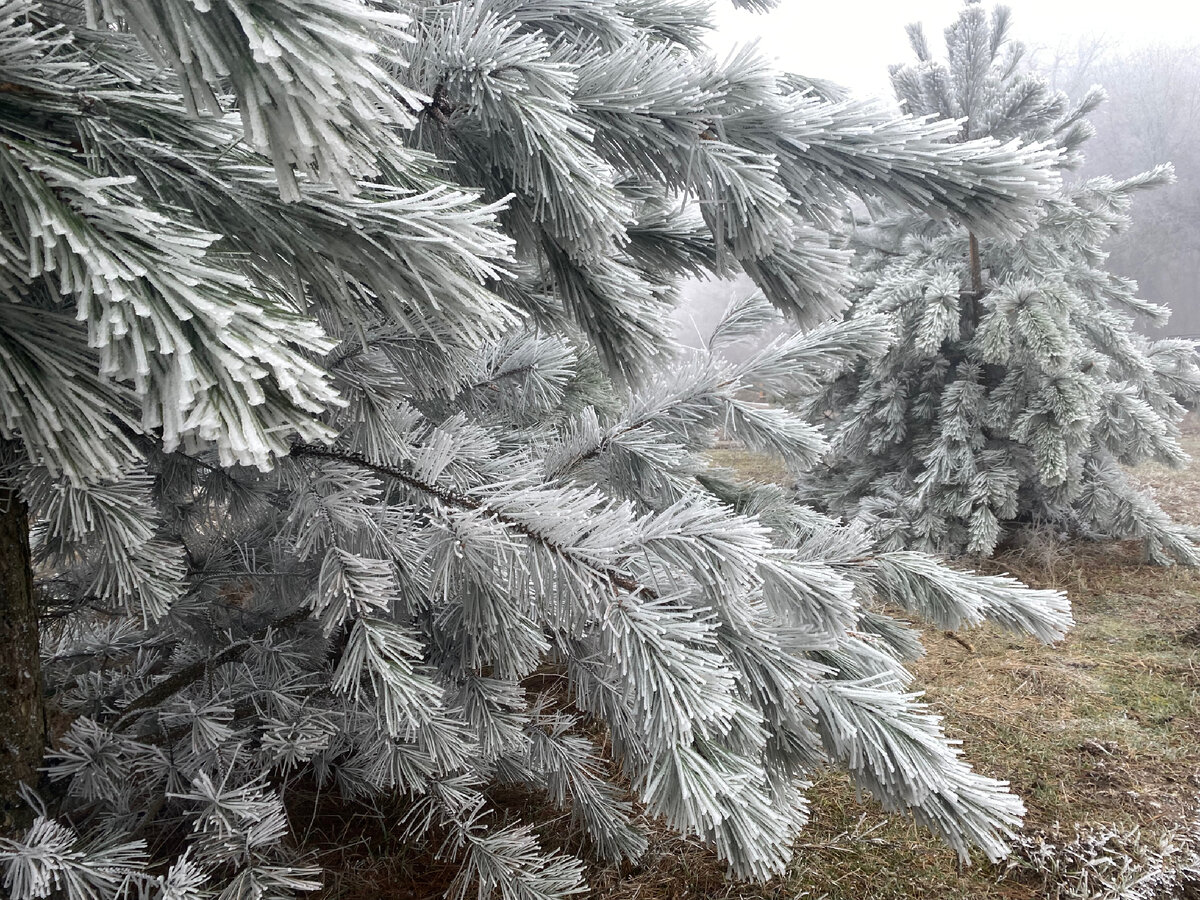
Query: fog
[(1145, 54), (853, 42)]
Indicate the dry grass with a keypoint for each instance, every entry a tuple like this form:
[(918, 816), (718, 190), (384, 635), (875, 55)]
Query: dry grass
[(1178, 490), (750, 466), (1103, 728)]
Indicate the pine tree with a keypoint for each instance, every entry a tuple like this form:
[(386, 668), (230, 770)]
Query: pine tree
[(1017, 386), (349, 453)]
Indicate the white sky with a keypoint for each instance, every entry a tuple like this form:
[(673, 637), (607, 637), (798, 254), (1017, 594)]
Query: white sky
[(853, 41)]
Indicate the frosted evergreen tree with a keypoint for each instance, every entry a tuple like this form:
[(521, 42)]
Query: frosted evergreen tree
[(343, 446), (1017, 387)]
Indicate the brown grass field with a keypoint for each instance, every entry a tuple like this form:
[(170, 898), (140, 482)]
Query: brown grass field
[(1103, 728)]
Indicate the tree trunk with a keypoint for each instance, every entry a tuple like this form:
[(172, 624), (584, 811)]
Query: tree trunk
[(971, 300), (22, 719), (976, 266)]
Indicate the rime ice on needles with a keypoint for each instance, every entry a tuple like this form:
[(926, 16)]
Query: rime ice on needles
[(333, 371)]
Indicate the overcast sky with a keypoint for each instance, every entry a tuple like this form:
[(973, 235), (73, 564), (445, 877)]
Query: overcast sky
[(853, 41)]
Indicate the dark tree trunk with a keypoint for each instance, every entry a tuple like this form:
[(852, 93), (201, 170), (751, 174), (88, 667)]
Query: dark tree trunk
[(22, 719), (971, 300), (976, 266)]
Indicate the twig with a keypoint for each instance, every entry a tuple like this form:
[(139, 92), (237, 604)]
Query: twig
[(961, 641)]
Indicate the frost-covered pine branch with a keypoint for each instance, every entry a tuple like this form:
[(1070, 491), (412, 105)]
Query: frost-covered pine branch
[(343, 443)]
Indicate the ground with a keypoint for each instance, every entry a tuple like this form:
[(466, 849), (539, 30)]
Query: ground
[(1103, 728)]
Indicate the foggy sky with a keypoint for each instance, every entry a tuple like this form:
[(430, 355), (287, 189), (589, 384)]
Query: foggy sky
[(853, 41)]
